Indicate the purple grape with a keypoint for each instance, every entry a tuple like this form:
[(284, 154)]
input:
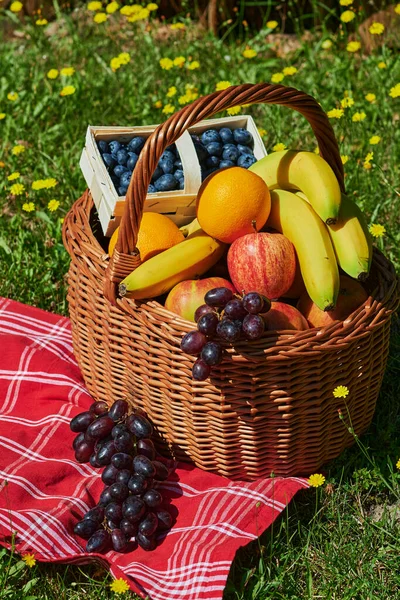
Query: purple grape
[(119, 491), (202, 310), (133, 509), (99, 408), (139, 425), (112, 524), (143, 466), (253, 302), (86, 528), (119, 430), (95, 514), (119, 541), (253, 327), (100, 428), (99, 542), (267, 304), (146, 447), (78, 439), (235, 310), (113, 511), (145, 542), (218, 297), (137, 484), (118, 410), (192, 343), (121, 460), (229, 330), (128, 528), (124, 442), (148, 524), (207, 324), (81, 422), (152, 498), (161, 471), (164, 519), (109, 475), (84, 451), (123, 476), (105, 497), (106, 452), (94, 461), (212, 354), (200, 370)]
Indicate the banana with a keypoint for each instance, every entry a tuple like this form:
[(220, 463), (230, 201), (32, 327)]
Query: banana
[(186, 260), (190, 228), (305, 171), (297, 220)]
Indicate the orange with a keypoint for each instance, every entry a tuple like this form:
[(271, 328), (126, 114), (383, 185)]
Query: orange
[(232, 202), (156, 234)]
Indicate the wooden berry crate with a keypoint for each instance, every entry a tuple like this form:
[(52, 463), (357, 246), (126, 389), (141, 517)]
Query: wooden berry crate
[(179, 205)]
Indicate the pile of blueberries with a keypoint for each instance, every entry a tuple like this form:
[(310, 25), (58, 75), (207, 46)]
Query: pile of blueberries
[(215, 150)]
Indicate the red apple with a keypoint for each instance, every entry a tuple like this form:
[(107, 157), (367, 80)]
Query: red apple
[(263, 263), (284, 316), (188, 295), (351, 296)]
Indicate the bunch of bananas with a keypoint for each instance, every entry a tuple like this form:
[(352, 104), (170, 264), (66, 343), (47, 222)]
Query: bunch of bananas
[(326, 227)]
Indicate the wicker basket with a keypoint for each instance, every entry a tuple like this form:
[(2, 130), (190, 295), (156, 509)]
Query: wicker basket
[(269, 406)]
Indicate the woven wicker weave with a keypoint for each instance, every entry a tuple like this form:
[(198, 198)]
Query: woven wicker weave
[(269, 406)]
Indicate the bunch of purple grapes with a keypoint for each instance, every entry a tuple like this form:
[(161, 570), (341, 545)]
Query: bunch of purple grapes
[(225, 316), (130, 505)]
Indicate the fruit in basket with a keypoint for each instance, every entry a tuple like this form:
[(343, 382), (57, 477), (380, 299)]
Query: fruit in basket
[(284, 316), (190, 228), (351, 296), (297, 220), (305, 171), (156, 234), (186, 296), (263, 262), (231, 203), (297, 287), (159, 274)]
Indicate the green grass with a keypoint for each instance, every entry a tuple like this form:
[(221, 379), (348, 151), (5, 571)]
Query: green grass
[(325, 545)]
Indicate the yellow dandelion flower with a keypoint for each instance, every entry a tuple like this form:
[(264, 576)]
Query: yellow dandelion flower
[(377, 230), (41, 22), (249, 53), (168, 109), (53, 205), (335, 113), (347, 16), (370, 98), (369, 157), (316, 480), (395, 91), (272, 24), (179, 61), (100, 17), (2, 116), (341, 391), (124, 58), (193, 65), (115, 63), (277, 77), (326, 44), (152, 6), (158, 104), (12, 96), (16, 7), (234, 110), (18, 149), (382, 65), (289, 71), (17, 189), (93, 6), (28, 206), (13, 176), (347, 102), (316, 150), (398, 462), (37, 184), (142, 14), (29, 560), (222, 85), (353, 46), (184, 99), (127, 10), (344, 158), (112, 7), (358, 116), (345, 2), (52, 74), (367, 166), (376, 28), (279, 147), (262, 131), (119, 586), (397, 11), (375, 139), (171, 91), (68, 90), (166, 64), (67, 71), (177, 26)]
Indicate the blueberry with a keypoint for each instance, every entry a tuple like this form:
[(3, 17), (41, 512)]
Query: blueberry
[(166, 164), (166, 183), (201, 152), (179, 174), (226, 163), (245, 160), (122, 190), (214, 149), (119, 170), (167, 154), (181, 184), (109, 161), (213, 161), (104, 147), (245, 150), (211, 135), (242, 136), (126, 178), (122, 157), (136, 144), (230, 152), (132, 160), (115, 146), (151, 189), (157, 173), (226, 135), (178, 164)]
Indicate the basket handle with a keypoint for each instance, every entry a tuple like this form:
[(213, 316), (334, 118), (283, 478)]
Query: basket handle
[(126, 257)]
